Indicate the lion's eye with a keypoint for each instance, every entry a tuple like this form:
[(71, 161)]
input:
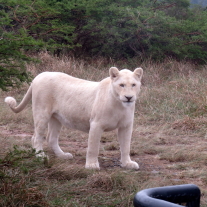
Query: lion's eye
[(121, 85), (133, 85)]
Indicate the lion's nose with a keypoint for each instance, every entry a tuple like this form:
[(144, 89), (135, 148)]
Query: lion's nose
[(128, 98)]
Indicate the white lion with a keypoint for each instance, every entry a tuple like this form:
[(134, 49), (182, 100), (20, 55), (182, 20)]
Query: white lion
[(94, 107)]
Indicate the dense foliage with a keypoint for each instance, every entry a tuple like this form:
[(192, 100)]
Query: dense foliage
[(118, 29)]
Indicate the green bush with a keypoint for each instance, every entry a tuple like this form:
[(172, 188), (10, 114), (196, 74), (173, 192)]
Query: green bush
[(115, 29)]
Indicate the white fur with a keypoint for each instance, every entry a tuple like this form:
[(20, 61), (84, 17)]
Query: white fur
[(59, 99), (11, 102)]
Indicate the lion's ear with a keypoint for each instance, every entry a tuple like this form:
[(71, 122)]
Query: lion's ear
[(138, 73), (113, 72)]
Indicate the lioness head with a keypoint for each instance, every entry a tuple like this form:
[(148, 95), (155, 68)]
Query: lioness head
[(125, 84)]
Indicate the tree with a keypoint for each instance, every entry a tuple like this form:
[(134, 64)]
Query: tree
[(117, 29), (26, 26), (155, 29), (12, 59)]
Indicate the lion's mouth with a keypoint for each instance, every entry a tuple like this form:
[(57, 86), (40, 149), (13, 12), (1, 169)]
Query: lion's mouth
[(128, 101)]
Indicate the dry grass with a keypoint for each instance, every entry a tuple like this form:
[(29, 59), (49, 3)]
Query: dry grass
[(169, 140)]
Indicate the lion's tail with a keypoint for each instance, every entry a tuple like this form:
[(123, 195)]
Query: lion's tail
[(11, 102)]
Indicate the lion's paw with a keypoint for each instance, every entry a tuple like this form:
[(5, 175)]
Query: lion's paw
[(42, 155), (131, 165), (94, 166), (66, 155)]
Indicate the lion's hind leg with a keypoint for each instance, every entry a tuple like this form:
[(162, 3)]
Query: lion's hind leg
[(54, 127), (41, 119)]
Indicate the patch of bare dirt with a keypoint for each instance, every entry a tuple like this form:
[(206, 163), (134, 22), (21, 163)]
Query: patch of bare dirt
[(14, 132), (109, 159)]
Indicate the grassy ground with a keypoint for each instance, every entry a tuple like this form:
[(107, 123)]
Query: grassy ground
[(169, 141)]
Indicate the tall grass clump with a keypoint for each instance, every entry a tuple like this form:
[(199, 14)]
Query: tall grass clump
[(173, 90), (95, 70)]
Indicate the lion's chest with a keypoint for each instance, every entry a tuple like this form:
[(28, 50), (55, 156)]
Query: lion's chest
[(113, 118)]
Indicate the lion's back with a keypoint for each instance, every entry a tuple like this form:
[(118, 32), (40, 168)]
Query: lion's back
[(67, 98)]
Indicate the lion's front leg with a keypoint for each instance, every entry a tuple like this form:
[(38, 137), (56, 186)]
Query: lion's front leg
[(124, 137), (93, 147)]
